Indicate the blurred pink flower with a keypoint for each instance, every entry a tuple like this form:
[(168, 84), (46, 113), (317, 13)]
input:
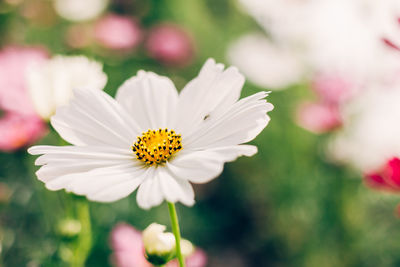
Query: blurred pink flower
[(387, 178), (332, 89), (14, 62), (17, 130), (117, 32), (318, 117), (197, 259), (128, 248), (170, 44), (19, 124)]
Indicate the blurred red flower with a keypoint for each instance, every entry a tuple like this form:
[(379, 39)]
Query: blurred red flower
[(387, 178)]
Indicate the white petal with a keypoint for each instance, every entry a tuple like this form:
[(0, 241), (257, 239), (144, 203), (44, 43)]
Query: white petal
[(100, 173), (150, 99), (197, 167), (231, 153), (239, 124), (104, 184), (65, 160), (94, 118), (112, 188), (212, 88), (77, 153), (149, 193), (175, 189)]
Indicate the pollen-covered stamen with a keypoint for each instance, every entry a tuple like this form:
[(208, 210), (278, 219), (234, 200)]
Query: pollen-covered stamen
[(157, 146)]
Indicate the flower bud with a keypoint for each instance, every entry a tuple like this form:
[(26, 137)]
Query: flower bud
[(159, 246), (187, 248)]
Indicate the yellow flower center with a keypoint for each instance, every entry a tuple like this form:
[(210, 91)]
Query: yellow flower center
[(157, 146)]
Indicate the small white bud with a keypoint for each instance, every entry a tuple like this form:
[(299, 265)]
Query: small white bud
[(159, 246), (187, 248)]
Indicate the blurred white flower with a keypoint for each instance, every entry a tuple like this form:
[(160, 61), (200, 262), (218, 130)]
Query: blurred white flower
[(327, 36), (80, 10), (370, 133), (51, 83), (284, 19), (151, 137), (264, 63), (386, 21), (156, 241)]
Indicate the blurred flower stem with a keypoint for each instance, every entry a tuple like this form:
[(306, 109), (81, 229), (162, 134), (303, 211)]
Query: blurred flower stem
[(84, 242), (176, 231)]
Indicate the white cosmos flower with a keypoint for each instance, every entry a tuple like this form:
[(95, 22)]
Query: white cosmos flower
[(177, 138), (51, 83), (80, 10)]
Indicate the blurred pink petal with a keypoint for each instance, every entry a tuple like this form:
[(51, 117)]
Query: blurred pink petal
[(332, 88), (128, 248), (170, 44), (14, 62), (19, 124), (197, 259), (318, 118), (117, 32), (17, 130)]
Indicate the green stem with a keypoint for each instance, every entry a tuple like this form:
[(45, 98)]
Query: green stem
[(84, 243), (177, 234)]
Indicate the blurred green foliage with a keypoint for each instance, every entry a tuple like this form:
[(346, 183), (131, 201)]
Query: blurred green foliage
[(286, 206)]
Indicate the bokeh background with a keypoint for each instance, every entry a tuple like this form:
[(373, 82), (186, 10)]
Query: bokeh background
[(290, 205)]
